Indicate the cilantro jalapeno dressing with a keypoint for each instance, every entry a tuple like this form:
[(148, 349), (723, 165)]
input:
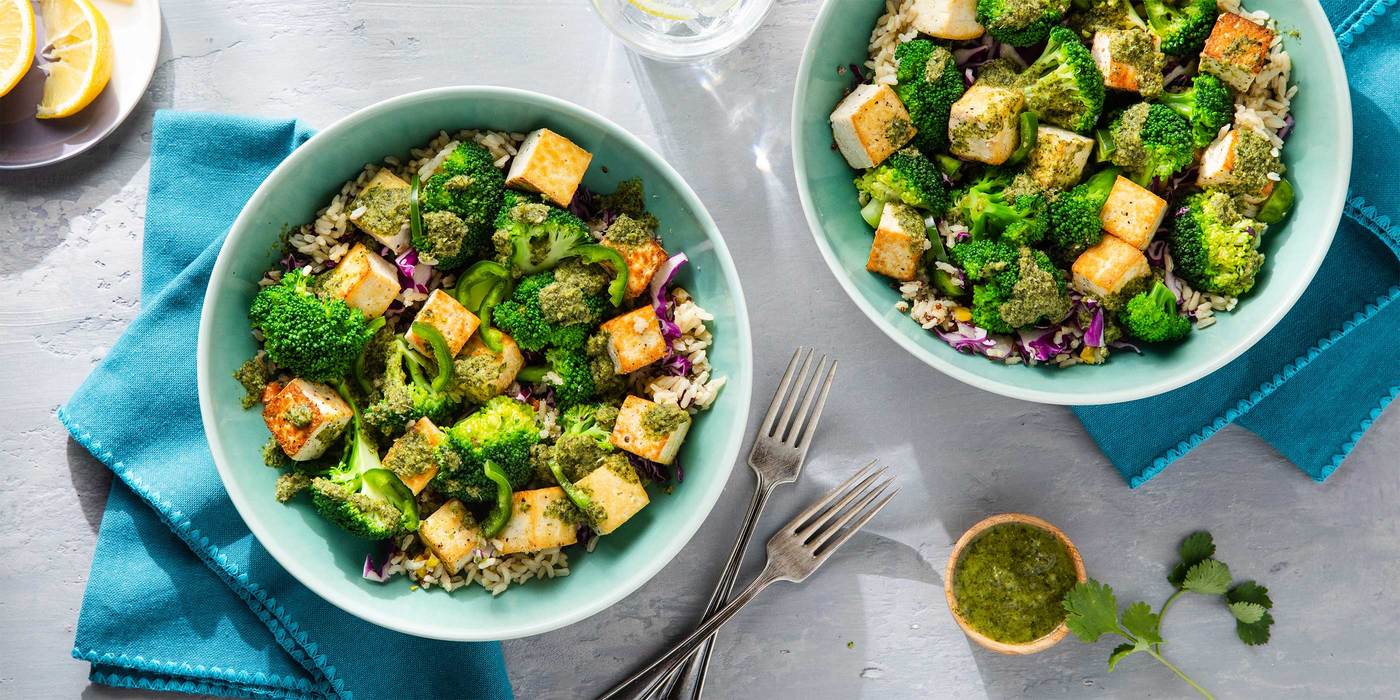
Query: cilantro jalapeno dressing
[(1010, 580)]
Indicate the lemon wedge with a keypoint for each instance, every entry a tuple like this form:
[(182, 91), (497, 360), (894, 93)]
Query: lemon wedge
[(79, 54), (16, 42), (665, 10)]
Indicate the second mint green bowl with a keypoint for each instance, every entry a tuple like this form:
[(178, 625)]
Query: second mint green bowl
[(328, 560), (1318, 155)]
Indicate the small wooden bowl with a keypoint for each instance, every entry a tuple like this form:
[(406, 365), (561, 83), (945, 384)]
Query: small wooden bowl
[(986, 642)]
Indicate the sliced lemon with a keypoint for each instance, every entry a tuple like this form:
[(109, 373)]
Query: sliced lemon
[(78, 48), (664, 10), (16, 42)]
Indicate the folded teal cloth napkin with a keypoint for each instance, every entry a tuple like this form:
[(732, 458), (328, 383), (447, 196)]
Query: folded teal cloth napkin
[(181, 597), (1314, 384)]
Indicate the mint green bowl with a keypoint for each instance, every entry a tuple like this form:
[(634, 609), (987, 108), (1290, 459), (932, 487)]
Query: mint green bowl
[(1318, 155), (326, 559)]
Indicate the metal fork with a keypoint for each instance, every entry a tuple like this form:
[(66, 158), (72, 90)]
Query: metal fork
[(794, 552), (778, 452)]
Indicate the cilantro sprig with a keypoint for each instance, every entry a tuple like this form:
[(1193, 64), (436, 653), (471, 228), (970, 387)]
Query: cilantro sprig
[(1092, 610)]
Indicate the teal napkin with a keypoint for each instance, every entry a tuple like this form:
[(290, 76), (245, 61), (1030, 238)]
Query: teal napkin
[(1314, 384), (181, 597)]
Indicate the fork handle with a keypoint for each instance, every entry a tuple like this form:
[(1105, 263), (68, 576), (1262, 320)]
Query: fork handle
[(693, 640)]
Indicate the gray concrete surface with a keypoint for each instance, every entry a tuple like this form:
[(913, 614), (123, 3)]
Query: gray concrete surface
[(872, 624)]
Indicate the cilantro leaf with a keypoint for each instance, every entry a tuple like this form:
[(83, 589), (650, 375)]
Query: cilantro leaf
[(1196, 548), (1210, 577), (1255, 633), (1248, 613), (1091, 611), (1142, 623), (1120, 652), (1250, 592)]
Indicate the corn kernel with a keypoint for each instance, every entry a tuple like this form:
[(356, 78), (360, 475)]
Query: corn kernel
[(962, 313)]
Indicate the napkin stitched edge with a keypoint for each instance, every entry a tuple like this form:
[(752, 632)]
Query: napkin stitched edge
[(1360, 20), (284, 628)]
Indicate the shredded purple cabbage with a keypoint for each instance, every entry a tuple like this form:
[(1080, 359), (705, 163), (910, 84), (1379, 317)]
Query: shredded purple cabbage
[(411, 272), (970, 338), (378, 558), (584, 204), (1093, 335), (585, 534), (660, 302), (655, 472), (677, 365), (291, 261), (1288, 123)]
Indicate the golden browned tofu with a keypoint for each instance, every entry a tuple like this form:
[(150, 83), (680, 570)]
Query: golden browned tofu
[(306, 418), (502, 367), (1106, 269), (642, 263), (1132, 213), (381, 210), (1129, 60), (634, 339), (1058, 159), (870, 124), (451, 533), (1236, 50), (441, 311), (549, 164), (984, 123), (539, 519), (412, 456), (364, 280), (650, 430), (616, 491), (947, 19), (899, 243), (1239, 163)]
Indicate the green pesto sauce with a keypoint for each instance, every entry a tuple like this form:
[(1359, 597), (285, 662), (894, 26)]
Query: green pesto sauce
[(386, 209), (1000, 110), (289, 485), (1036, 295), (566, 304), (478, 377), (628, 232), (1010, 581), (618, 464), (298, 415), (412, 455), (1022, 13), (1254, 160), (252, 374), (660, 420), (899, 130), (445, 233), (1136, 48)]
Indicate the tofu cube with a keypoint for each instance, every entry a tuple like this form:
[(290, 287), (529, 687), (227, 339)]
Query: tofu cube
[(451, 533), (505, 364), (413, 456), (1129, 60), (1236, 50), (899, 245), (642, 263), (549, 164), (1058, 159), (630, 432), (306, 418), (381, 210), (539, 519), (947, 19), (984, 124), (1132, 213), (617, 491), (870, 125), (1106, 269), (635, 340), (451, 319), (1220, 161), (364, 280)]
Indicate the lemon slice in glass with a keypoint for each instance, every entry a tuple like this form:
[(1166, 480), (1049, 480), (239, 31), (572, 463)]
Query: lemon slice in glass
[(79, 52), (16, 42), (665, 10)]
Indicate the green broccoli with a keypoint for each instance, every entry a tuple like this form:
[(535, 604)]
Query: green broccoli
[(1014, 287), (359, 494), (1149, 141), (1075, 224), (1064, 87), (569, 371), (311, 337), (594, 421), (548, 312), (1089, 17), (1015, 210), (458, 204), (533, 237), (906, 177), (1020, 22), (502, 431), (1183, 25), (628, 199), (1206, 104), (929, 82), (1214, 247), (404, 392), (1152, 316)]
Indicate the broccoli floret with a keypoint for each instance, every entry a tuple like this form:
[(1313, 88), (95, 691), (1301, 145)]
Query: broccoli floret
[(459, 205), (576, 455), (1089, 17), (628, 199), (1015, 210), (594, 421), (1075, 225), (1214, 247), (1015, 286), (532, 236), (907, 177), (1152, 316), (999, 72), (1020, 22), (1064, 86), (628, 232), (569, 371), (1150, 142), (545, 312), (410, 387), (1183, 25), (609, 384), (502, 431), (311, 337), (359, 494), (290, 486), (1206, 104), (929, 82), (252, 374)]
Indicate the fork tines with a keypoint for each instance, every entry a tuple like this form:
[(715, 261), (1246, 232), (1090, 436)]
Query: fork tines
[(795, 389), (829, 522)]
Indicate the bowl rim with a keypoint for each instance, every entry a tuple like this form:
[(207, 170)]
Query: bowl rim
[(636, 577), (1333, 204)]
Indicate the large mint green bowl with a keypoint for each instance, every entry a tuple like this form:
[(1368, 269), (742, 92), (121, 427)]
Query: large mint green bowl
[(1318, 156), (326, 559)]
